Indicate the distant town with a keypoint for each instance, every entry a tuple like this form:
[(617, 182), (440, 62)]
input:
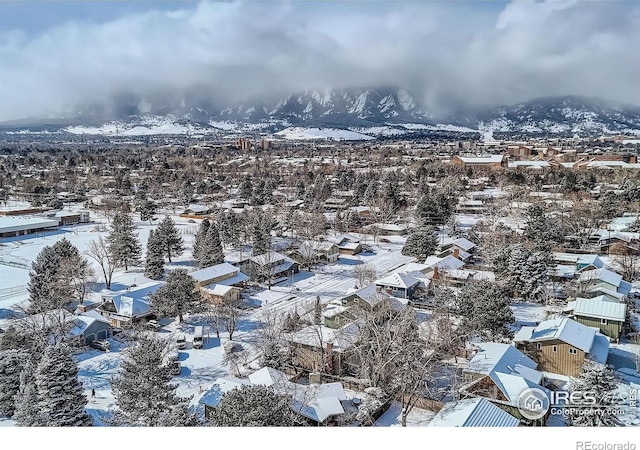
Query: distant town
[(181, 280)]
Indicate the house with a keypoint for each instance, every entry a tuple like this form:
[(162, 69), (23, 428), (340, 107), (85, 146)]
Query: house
[(500, 373), (569, 265), (561, 345), (196, 211), (81, 329), (129, 306), (272, 266), (386, 229), (321, 252), (473, 412), (347, 244), (403, 285), (318, 403), (595, 280), (444, 264), (225, 273), (599, 312)]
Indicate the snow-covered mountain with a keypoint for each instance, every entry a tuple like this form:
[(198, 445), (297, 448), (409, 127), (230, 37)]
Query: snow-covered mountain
[(376, 112)]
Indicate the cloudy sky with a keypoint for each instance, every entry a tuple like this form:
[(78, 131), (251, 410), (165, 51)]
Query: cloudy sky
[(54, 54)]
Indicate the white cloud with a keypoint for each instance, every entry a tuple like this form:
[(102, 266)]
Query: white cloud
[(234, 50)]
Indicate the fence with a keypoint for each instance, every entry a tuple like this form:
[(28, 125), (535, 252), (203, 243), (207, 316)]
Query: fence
[(13, 290)]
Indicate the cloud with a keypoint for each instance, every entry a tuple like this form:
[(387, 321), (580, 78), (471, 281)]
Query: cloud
[(448, 54)]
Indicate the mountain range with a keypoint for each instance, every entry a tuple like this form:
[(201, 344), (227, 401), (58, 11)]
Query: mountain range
[(377, 112)]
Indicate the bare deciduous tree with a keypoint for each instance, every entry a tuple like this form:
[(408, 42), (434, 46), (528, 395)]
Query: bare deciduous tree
[(364, 274), (99, 251)]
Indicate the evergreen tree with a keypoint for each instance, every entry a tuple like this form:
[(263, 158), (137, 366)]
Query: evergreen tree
[(143, 390), (177, 296), (147, 209), (542, 230), (420, 244), (11, 362), (60, 397), (26, 412), (246, 189), (154, 266), (211, 252), (599, 379), (484, 307), (200, 237), (44, 291), (253, 406), (433, 209), (74, 271), (169, 236), (123, 241)]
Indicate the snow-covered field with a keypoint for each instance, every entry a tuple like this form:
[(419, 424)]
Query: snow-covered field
[(302, 133)]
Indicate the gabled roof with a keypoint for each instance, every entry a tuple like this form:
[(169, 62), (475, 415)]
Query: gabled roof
[(494, 356), (211, 272), (131, 307), (473, 412), (512, 385), (601, 308), (563, 329), (606, 276), (446, 263), (464, 244), (398, 280), (270, 258)]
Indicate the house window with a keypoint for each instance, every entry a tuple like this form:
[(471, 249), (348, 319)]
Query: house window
[(555, 349), (539, 346), (573, 351), (603, 321)]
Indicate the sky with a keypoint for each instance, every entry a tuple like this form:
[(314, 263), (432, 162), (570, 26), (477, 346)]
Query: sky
[(56, 55)]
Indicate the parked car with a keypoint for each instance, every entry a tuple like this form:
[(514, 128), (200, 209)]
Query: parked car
[(181, 340), (101, 344), (154, 325), (191, 221), (175, 368)]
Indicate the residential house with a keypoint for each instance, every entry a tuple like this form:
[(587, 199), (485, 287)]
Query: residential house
[(599, 280), (473, 412), (403, 285), (386, 229), (221, 283), (561, 345), (321, 252), (500, 373), (318, 403), (272, 266), (196, 211), (569, 265), (599, 312), (128, 307), (347, 244)]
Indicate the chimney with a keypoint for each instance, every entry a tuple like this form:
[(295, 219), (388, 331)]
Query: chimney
[(81, 309), (456, 252)]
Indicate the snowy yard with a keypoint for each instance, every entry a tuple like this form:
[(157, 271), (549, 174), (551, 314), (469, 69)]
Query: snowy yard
[(392, 417)]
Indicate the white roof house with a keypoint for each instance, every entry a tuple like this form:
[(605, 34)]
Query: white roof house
[(604, 278), (473, 412), (447, 263), (600, 307), (217, 271), (398, 280), (587, 339)]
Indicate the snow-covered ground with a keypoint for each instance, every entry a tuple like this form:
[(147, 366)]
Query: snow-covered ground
[(392, 417), (336, 134)]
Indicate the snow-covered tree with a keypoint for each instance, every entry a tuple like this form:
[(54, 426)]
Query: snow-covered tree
[(170, 239), (11, 362), (177, 296), (420, 244), (26, 412), (253, 406), (522, 271), (365, 274), (44, 289), (210, 252), (433, 209), (317, 311), (123, 241), (59, 393), (143, 390), (484, 307), (542, 230), (74, 272), (147, 209), (154, 265), (200, 237), (599, 379)]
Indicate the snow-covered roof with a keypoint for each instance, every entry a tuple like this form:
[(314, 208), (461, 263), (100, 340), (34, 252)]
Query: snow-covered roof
[(270, 258), (131, 307), (489, 159), (512, 385), (600, 307), (563, 329), (10, 224), (398, 280), (473, 412), (268, 376), (211, 272), (218, 289), (412, 267), (197, 209), (446, 263), (600, 349), (499, 357), (316, 335), (607, 276), (221, 386)]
